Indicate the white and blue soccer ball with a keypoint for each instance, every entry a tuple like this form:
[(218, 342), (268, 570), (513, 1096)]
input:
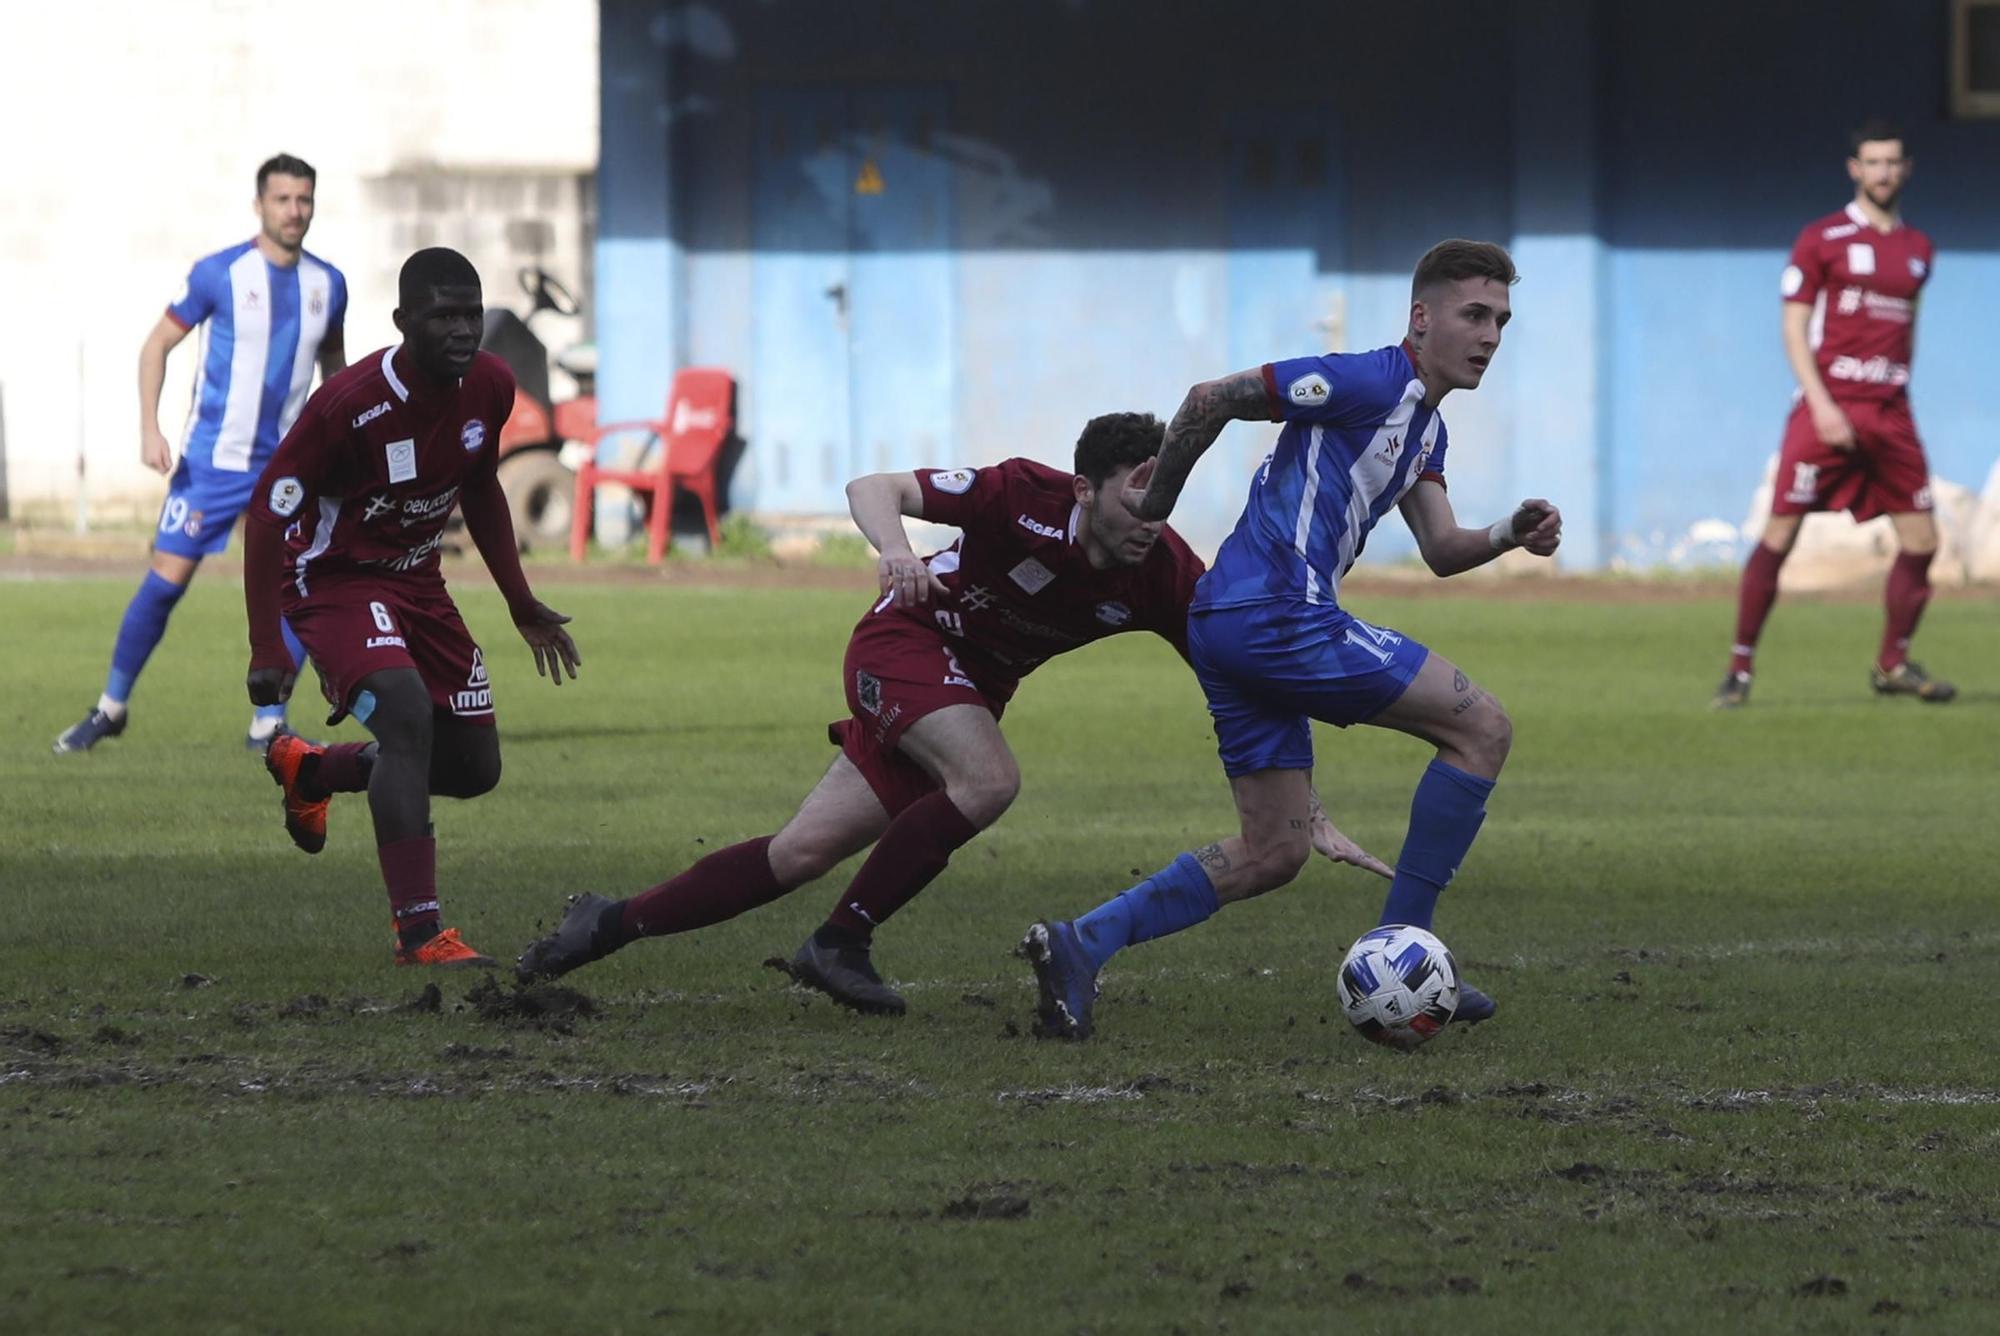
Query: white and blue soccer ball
[(1398, 986)]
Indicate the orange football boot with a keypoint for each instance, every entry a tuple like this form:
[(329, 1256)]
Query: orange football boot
[(305, 820), (447, 949)]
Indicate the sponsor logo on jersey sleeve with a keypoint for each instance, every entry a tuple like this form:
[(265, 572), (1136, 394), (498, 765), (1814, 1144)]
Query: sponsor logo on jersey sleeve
[(1917, 267), (472, 435), (1794, 279), (1860, 258), (1309, 391), (287, 494), (956, 482)]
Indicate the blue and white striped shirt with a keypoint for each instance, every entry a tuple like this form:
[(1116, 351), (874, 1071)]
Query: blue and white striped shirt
[(261, 341), (1357, 438)]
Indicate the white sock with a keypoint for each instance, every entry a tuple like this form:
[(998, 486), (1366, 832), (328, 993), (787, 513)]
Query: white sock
[(262, 727), (113, 709)]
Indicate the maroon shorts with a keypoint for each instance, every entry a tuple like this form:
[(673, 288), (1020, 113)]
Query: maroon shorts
[(896, 673), (1885, 473), (358, 629)]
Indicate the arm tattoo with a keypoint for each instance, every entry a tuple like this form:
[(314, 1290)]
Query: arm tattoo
[(1208, 408), (1212, 859)]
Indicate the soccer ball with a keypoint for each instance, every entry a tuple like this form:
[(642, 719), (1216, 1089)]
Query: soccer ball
[(1398, 986)]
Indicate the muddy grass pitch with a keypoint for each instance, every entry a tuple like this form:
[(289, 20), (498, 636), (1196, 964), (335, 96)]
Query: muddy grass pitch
[(1742, 1077)]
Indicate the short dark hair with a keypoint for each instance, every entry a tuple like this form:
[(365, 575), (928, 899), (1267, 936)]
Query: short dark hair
[(1115, 441), (1873, 130), (432, 267), (1449, 261), (284, 164)]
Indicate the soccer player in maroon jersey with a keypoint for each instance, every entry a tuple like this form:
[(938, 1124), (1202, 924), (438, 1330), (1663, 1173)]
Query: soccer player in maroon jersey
[(1046, 561), (1851, 444), (345, 527)]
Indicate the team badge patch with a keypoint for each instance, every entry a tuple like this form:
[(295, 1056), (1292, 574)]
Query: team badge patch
[(956, 482), (868, 691), (1917, 267), (286, 496), (1113, 614), (402, 457), (1860, 258), (1031, 575), (1309, 391), (1793, 280), (472, 435), (193, 527)]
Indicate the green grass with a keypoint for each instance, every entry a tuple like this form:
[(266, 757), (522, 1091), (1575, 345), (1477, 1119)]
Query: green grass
[(1742, 1078)]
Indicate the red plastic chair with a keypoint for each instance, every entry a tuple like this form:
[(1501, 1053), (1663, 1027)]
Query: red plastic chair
[(698, 421)]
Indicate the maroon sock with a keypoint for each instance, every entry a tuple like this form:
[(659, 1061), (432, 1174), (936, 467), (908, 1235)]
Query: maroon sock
[(1753, 603), (726, 883), (1908, 590), (409, 870), (915, 848), (343, 767)]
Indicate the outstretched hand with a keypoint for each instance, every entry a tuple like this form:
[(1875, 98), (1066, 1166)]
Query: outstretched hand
[(1538, 527), (1337, 848), (554, 650), (270, 686)]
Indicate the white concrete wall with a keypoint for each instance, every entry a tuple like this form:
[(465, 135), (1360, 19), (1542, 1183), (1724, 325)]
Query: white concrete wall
[(130, 133)]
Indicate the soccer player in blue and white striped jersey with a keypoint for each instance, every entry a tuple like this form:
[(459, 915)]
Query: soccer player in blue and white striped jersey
[(1275, 650), (270, 312)]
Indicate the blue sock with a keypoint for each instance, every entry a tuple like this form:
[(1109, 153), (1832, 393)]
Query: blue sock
[(1444, 818), (1177, 896), (145, 622)]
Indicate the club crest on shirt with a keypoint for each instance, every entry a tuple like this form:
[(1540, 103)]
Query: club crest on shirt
[(286, 495), (1917, 267), (1309, 391), (472, 435), (956, 482), (1113, 614), (319, 304)]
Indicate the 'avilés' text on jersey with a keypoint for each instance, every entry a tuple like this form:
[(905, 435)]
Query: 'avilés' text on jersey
[(263, 327), (1357, 438)]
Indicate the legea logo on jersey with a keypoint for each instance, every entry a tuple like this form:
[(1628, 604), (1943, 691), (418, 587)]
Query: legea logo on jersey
[(373, 413), (472, 435), (1113, 614), (1310, 391), (957, 482), (1045, 530), (286, 496)]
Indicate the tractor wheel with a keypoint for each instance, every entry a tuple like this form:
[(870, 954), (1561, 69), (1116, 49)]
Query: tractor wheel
[(541, 494)]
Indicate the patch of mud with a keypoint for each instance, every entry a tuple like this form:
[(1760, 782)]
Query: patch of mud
[(541, 1005), (990, 1201), (1138, 1087)]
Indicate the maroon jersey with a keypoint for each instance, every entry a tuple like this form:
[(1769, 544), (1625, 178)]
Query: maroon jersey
[(1021, 589), (1862, 286), (372, 469)]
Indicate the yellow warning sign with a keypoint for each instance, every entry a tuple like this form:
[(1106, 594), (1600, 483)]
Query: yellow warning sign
[(869, 181)]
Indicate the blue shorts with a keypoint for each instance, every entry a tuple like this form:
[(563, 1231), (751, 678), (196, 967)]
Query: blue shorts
[(1271, 668), (203, 502)]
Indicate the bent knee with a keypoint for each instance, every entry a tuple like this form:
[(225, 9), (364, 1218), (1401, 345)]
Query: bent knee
[(983, 798)]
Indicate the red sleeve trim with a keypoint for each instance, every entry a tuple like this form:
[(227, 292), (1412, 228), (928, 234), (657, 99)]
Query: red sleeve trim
[(1276, 405), (185, 326), (1432, 475)]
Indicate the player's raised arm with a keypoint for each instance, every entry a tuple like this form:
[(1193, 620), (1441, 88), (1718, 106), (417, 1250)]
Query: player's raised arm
[(1207, 409), (878, 502), (1448, 549)]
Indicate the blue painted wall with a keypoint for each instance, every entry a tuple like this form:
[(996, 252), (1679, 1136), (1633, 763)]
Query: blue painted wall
[(1087, 205)]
